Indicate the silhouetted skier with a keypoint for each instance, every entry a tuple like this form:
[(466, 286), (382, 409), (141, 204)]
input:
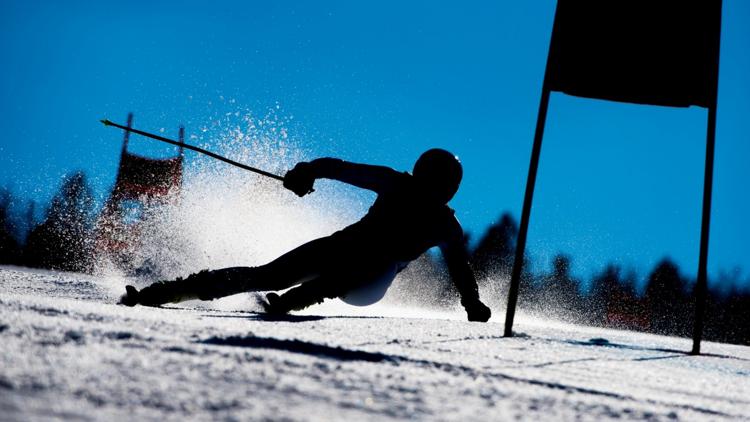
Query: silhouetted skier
[(358, 263)]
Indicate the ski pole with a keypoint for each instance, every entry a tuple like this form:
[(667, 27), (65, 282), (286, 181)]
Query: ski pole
[(194, 148)]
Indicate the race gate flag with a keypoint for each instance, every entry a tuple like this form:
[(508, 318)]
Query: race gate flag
[(656, 52), (659, 52)]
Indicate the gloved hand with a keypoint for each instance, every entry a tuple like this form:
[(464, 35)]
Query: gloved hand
[(477, 311), (300, 179)]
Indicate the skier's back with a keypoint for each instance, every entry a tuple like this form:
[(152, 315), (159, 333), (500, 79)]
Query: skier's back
[(358, 263)]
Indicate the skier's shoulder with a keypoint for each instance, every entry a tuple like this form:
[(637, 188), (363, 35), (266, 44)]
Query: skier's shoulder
[(398, 184), (402, 178)]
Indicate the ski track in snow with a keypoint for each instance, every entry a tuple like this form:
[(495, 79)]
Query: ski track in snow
[(68, 352)]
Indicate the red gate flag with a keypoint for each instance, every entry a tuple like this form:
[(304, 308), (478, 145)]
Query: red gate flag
[(660, 52)]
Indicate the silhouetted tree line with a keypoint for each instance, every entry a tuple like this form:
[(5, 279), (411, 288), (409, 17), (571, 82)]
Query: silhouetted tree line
[(613, 297), (62, 240)]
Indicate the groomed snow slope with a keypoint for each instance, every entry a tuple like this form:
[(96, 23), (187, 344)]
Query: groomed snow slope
[(66, 351)]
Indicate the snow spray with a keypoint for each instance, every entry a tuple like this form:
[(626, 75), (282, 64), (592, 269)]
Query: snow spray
[(224, 216)]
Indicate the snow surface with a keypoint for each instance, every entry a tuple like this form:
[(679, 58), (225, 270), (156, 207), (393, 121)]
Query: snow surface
[(68, 352)]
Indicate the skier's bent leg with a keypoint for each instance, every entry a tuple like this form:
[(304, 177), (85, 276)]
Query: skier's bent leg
[(368, 282), (307, 294)]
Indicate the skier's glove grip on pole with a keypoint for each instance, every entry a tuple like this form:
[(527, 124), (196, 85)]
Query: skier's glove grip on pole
[(477, 311), (300, 179)]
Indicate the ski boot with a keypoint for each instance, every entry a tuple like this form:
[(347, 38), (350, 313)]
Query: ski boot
[(195, 286)]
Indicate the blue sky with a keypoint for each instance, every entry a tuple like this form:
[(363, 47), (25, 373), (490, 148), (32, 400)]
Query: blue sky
[(380, 82)]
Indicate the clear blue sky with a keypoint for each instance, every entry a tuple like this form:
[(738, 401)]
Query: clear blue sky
[(380, 82)]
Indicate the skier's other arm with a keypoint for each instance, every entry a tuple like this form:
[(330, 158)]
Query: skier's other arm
[(457, 261), (301, 178)]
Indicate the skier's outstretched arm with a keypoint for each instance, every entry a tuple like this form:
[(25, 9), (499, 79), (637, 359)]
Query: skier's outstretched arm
[(457, 261), (375, 178)]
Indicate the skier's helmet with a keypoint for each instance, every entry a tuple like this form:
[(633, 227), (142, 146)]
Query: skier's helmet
[(439, 172)]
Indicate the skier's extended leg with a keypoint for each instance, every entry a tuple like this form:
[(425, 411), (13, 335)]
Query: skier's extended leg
[(302, 264)]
